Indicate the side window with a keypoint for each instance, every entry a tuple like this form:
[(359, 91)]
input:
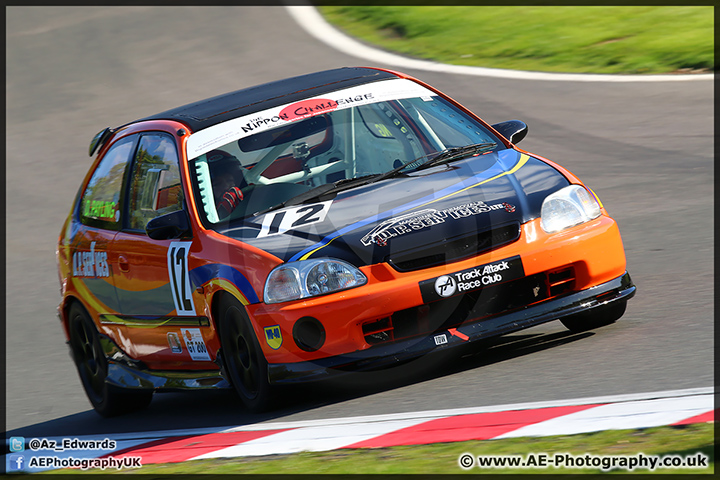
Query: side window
[(100, 204), (155, 187)]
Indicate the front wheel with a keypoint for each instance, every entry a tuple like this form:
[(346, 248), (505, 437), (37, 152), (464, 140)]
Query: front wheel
[(595, 318), (244, 361), (92, 367)]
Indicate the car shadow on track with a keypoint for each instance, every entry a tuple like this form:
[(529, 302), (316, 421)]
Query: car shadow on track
[(432, 366), (221, 409)]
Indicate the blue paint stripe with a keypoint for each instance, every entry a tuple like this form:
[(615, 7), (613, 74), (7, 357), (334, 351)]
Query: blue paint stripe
[(506, 158), (201, 275)]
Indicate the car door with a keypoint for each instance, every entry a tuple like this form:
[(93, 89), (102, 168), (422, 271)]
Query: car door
[(94, 227), (152, 278)]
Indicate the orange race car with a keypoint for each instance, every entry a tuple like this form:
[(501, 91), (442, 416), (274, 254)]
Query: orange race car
[(339, 221)]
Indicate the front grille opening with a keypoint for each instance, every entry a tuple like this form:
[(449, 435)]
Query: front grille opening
[(484, 303), (378, 331), (454, 249), (561, 281)]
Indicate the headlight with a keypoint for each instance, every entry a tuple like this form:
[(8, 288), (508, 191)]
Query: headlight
[(569, 206), (309, 278)]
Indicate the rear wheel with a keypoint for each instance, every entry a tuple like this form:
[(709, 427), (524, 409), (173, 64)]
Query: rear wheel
[(595, 318), (244, 361), (92, 367)]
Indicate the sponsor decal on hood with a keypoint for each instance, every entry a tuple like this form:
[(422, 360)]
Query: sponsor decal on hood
[(428, 217)]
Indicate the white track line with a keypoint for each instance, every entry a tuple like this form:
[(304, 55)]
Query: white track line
[(620, 416), (351, 422), (314, 24), (432, 414)]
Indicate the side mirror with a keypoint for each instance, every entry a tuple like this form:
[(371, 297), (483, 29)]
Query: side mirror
[(172, 225), (513, 130), (99, 139)]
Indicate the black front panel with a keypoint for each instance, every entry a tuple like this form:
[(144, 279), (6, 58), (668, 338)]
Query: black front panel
[(455, 249)]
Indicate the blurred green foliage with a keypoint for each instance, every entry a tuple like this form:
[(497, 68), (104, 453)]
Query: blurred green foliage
[(580, 39)]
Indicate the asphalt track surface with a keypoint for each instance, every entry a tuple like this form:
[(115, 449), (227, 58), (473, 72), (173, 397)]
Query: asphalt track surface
[(645, 148)]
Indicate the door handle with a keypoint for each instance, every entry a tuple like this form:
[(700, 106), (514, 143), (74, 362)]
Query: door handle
[(123, 263)]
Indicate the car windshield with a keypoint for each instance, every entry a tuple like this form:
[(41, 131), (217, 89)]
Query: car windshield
[(276, 155)]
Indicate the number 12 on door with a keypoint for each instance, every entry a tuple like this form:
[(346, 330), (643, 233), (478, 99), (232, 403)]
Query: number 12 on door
[(177, 258)]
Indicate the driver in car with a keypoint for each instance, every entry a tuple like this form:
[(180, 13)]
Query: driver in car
[(227, 179)]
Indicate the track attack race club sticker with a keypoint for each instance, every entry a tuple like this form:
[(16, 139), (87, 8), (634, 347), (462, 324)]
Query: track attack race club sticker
[(472, 279)]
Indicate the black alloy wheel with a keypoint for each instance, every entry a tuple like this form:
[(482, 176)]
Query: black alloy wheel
[(92, 367), (244, 360)]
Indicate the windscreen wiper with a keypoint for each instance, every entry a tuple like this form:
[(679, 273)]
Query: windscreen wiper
[(456, 153)]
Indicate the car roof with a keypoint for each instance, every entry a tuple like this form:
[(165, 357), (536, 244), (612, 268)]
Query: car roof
[(211, 111)]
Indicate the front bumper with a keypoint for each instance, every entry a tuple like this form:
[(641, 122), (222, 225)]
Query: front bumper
[(387, 355), (127, 373)]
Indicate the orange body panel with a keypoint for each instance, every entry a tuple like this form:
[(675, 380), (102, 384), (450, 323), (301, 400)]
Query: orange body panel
[(595, 250)]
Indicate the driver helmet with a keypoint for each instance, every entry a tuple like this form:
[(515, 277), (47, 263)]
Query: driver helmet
[(222, 163)]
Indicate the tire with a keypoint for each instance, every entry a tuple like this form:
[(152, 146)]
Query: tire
[(107, 400), (244, 361), (595, 318)]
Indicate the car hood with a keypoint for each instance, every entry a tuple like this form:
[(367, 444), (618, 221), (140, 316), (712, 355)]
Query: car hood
[(415, 220)]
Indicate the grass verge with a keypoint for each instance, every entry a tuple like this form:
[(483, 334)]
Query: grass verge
[(579, 39), (442, 458)]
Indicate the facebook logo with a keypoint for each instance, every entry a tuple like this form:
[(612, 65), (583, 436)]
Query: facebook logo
[(15, 463)]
